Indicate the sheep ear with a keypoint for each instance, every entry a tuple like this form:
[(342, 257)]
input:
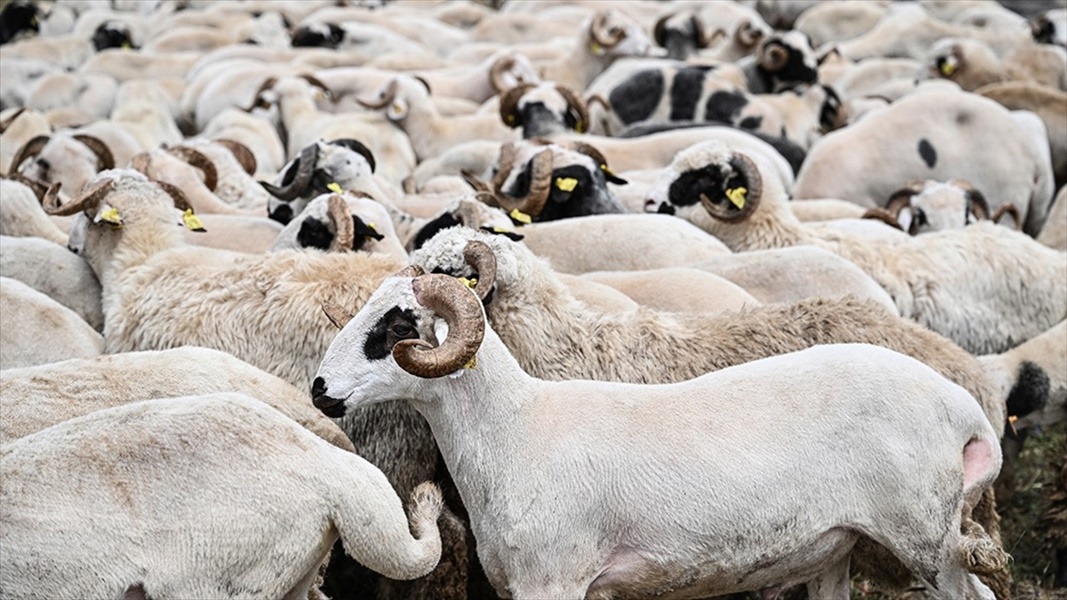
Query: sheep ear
[(105, 213), (905, 217), (337, 315), (397, 110)]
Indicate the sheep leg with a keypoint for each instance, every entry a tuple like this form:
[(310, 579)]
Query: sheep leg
[(833, 582)]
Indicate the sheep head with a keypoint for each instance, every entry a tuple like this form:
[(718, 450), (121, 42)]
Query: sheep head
[(609, 38), (544, 109), (398, 95), (683, 33), (787, 58), (923, 206)]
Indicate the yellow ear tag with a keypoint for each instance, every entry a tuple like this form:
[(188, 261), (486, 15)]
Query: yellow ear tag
[(502, 230), (471, 283), (471, 363), (947, 68), (111, 215), (737, 196), (604, 168), (334, 187), (567, 184), (510, 119), (126, 46), (580, 126), (397, 109), (192, 222), (371, 225), (596, 48), (520, 216)]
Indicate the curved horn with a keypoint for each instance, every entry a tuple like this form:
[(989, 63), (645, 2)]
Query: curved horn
[(700, 33), (10, 119), (480, 257), (577, 105), (315, 81), (241, 153), (883, 215), (475, 182), (197, 159), (728, 211), (267, 84), (1007, 209), (496, 72), (462, 310), (540, 182), (177, 196), (773, 57), (308, 157), (901, 198), (39, 187), (31, 148), (976, 201), (390, 93), (337, 210), (99, 148), (746, 34), (87, 200), (336, 314), (410, 271), (357, 147), (660, 30), (602, 35), (509, 104), (51, 196)]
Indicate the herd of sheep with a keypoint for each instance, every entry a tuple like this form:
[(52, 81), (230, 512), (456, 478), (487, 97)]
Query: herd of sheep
[(527, 299)]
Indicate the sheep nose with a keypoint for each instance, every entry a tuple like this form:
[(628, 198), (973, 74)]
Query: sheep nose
[(650, 205), (318, 387)]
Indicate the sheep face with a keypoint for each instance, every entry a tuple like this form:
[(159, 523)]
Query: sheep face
[(444, 253), (543, 111), (324, 221), (341, 164), (63, 160), (112, 34), (786, 58), (682, 34), (577, 186), (359, 367), (469, 213), (19, 18), (611, 36), (318, 35)]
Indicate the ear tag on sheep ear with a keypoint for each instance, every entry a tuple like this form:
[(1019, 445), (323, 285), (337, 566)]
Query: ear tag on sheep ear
[(737, 196), (566, 184), (1011, 423), (126, 46), (580, 126), (192, 222), (520, 217), (510, 119), (471, 283), (111, 215), (396, 109), (947, 68), (473, 362), (335, 187), (596, 48)]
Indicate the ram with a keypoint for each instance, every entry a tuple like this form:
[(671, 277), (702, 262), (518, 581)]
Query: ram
[(259, 499), (604, 38), (972, 64), (986, 287), (924, 206), (518, 433)]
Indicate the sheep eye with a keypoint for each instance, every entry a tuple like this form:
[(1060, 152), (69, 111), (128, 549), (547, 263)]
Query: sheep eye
[(401, 329)]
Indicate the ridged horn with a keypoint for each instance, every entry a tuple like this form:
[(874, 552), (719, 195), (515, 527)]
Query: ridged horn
[(901, 198), (4, 124), (199, 160), (723, 209), (337, 211), (241, 152), (884, 216), (496, 72), (480, 257), (87, 200), (30, 149), (39, 187), (540, 182), (602, 35), (976, 201), (337, 315), (577, 105), (461, 310), (773, 57), (1007, 209), (390, 93), (509, 104), (50, 197), (177, 196), (308, 157), (99, 148)]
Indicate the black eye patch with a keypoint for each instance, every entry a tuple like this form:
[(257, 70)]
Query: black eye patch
[(395, 325)]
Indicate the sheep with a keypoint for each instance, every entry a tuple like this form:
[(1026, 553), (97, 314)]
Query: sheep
[(924, 206), (68, 51), (234, 164), (468, 211), (839, 21), (264, 479), (783, 59), (972, 64), (124, 65), (932, 135), (159, 293), (254, 133), (77, 99), (683, 33), (985, 287), (34, 398), (543, 110), (333, 222), (73, 157), (17, 127), (67, 280), (17, 78), (21, 214), (36, 330), (583, 557), (1046, 103), (1054, 234), (406, 101), (603, 39), (1050, 27), (825, 209), (1047, 358), (197, 178), (496, 74)]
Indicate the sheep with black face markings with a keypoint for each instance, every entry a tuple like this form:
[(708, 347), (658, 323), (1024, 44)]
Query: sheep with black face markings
[(485, 416), (924, 206), (985, 287)]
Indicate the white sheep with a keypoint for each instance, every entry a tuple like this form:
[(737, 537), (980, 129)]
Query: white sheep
[(34, 398), (37, 330), (985, 287), (341, 223), (54, 271), (622, 482), (259, 501), (21, 214)]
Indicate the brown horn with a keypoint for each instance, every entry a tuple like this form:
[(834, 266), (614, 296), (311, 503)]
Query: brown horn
[(703, 40), (267, 84), (39, 187), (410, 271), (475, 182), (241, 153), (578, 105), (10, 119), (1007, 209), (601, 35), (496, 72), (746, 34), (461, 310), (773, 57), (197, 159), (315, 81), (976, 201), (337, 210), (660, 30), (509, 104), (480, 257), (337, 315), (883, 215), (902, 197), (390, 93), (177, 196), (87, 200), (99, 148), (51, 196), (31, 148), (540, 182), (308, 157), (743, 166)]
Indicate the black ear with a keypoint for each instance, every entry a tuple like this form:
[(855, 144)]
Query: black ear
[(430, 229), (357, 147), (363, 231), (314, 234), (337, 35), (511, 235)]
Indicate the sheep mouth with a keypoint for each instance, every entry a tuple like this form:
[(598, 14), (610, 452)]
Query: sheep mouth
[(331, 407)]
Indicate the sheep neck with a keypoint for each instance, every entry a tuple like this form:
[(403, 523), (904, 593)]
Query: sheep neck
[(135, 245), (424, 126)]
